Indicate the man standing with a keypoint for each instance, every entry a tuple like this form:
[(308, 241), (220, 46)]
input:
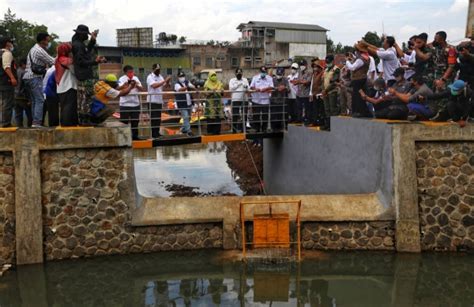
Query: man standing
[(22, 101), (262, 84), (302, 94), (238, 86), (155, 83), (8, 82), (84, 62), (358, 67), (315, 94), (388, 56), (424, 65), (130, 104), (279, 100), (293, 76), (37, 62), (184, 101), (330, 80)]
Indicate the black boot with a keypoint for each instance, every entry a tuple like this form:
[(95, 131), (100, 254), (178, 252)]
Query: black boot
[(327, 124)]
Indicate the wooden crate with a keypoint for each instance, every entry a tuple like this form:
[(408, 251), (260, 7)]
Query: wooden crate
[(271, 230)]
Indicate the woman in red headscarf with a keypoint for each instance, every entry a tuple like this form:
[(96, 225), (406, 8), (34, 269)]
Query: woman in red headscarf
[(66, 85)]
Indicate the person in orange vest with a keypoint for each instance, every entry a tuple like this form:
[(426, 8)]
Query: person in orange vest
[(104, 91)]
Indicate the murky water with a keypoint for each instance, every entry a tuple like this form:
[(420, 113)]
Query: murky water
[(204, 279), (199, 170)]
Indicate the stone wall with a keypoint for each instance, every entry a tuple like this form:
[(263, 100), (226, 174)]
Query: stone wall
[(7, 208), (86, 197), (349, 235), (445, 172)]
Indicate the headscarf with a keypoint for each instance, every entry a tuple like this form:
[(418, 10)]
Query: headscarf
[(213, 85), (62, 60)]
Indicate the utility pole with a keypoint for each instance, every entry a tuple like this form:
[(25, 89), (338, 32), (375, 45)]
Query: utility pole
[(470, 19)]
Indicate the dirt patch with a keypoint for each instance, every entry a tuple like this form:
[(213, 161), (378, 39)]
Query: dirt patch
[(240, 161)]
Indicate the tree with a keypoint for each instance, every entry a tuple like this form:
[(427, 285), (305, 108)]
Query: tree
[(373, 38), (23, 34), (336, 49), (182, 39)]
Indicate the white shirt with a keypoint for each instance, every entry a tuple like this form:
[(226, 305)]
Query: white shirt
[(354, 66), (240, 86), (293, 88), (155, 93), (260, 83), (178, 86), (68, 81), (39, 56), (410, 59), (372, 72), (129, 100), (389, 62)]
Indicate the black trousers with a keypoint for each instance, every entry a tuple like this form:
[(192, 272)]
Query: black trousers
[(131, 115), (22, 106), (52, 107), (155, 113), (459, 110), (300, 105), (68, 106), (260, 116), (239, 110), (359, 107), (319, 113), (277, 117), (291, 109), (214, 125), (393, 112)]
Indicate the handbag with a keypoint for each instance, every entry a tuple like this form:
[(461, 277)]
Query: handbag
[(36, 68)]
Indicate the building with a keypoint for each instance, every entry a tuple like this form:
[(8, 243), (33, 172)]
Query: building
[(270, 43), (170, 59), (135, 37)]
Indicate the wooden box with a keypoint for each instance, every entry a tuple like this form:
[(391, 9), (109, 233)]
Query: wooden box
[(271, 230)]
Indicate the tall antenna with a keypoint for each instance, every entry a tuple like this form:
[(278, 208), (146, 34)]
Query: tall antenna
[(383, 28)]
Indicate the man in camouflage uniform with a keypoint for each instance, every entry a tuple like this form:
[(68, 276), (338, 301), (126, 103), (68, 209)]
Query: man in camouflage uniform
[(424, 65), (330, 93), (444, 59)]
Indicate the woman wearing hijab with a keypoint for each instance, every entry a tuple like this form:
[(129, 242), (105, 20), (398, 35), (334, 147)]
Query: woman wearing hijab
[(213, 103), (66, 85)]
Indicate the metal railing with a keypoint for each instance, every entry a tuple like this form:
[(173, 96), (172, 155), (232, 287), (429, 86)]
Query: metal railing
[(206, 113)]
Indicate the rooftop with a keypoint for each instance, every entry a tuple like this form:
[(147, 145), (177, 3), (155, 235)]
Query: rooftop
[(281, 25)]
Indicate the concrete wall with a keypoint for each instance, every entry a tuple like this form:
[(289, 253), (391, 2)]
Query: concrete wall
[(310, 50), (355, 157)]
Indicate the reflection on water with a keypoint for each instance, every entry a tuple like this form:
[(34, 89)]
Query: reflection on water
[(160, 170), (203, 279)]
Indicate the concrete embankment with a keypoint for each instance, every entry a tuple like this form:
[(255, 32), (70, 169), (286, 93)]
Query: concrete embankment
[(368, 185)]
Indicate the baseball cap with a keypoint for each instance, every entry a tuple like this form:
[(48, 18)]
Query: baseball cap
[(181, 74), (280, 71), (156, 66), (457, 86), (263, 69), (295, 66)]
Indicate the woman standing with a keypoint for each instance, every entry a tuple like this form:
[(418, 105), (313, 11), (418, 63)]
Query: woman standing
[(66, 85), (213, 103)]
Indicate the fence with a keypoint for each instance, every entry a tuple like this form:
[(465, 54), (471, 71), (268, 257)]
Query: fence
[(198, 113)]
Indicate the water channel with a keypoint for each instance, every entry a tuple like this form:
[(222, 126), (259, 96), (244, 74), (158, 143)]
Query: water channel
[(199, 170), (209, 278)]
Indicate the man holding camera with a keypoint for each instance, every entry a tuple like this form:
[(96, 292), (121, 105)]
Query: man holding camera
[(84, 62), (130, 104)]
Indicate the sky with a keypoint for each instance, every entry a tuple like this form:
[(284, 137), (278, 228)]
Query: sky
[(347, 20)]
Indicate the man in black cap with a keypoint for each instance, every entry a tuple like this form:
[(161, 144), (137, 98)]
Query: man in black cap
[(238, 85), (84, 62)]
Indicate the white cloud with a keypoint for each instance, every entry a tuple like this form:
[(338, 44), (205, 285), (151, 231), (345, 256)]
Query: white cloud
[(347, 20), (458, 6)]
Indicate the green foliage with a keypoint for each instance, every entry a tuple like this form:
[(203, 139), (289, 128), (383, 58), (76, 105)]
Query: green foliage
[(373, 38), (23, 34), (336, 49)]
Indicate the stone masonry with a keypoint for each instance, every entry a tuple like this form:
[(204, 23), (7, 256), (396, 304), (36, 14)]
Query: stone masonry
[(348, 235), (445, 172), (7, 208), (85, 197)]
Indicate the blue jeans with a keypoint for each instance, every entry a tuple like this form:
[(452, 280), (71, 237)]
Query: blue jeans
[(185, 114), (35, 90), (420, 110)]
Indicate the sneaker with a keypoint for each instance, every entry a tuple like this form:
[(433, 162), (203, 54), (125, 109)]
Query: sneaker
[(189, 133), (37, 126), (411, 117)]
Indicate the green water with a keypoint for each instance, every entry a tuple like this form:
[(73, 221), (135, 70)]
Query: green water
[(203, 279)]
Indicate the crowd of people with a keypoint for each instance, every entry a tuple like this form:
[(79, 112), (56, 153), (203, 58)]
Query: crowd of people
[(427, 81)]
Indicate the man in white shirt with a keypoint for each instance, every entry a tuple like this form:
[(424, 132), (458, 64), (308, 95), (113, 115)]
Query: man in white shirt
[(130, 104), (238, 85), (293, 76), (262, 84), (155, 83), (39, 57), (184, 101), (372, 73), (389, 58)]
